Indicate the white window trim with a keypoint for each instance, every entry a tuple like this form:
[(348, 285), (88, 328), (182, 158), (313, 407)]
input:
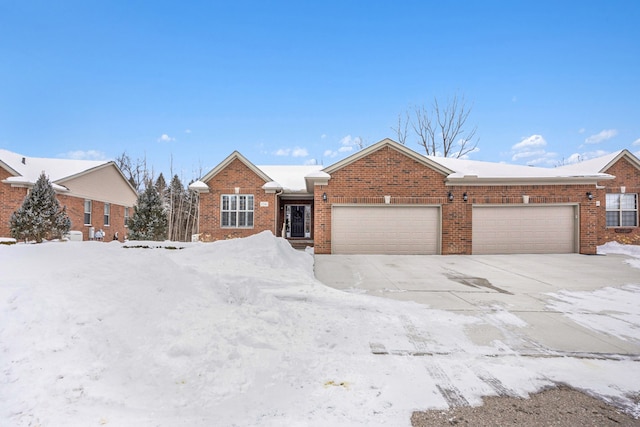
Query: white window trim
[(237, 211), (107, 214), (85, 211), (126, 216), (620, 210)]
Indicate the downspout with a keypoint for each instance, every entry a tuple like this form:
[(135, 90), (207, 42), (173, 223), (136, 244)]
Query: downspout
[(277, 208)]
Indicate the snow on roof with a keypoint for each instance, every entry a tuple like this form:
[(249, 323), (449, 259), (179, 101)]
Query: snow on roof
[(290, 177), (30, 168), (592, 166), (463, 167), (198, 186)]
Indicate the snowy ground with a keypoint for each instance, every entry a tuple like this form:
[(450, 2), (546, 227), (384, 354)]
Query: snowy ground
[(240, 333)]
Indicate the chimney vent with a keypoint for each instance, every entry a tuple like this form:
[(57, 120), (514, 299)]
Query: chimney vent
[(24, 160)]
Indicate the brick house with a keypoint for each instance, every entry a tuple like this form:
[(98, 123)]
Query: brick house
[(388, 199), (96, 194)]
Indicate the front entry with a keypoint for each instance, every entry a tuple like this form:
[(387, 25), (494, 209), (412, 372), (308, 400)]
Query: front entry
[(299, 221)]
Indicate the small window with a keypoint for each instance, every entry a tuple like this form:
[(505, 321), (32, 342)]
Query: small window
[(87, 212), (126, 216), (107, 213), (622, 210), (237, 211)]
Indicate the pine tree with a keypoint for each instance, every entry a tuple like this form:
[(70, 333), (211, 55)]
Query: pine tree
[(40, 216), (149, 220)]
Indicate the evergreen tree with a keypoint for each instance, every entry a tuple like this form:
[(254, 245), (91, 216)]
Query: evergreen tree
[(149, 220), (40, 216)]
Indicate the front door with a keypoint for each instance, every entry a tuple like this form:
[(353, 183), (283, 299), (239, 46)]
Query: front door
[(297, 221)]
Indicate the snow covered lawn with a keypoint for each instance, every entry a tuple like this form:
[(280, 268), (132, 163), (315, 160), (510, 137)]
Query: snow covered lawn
[(240, 332)]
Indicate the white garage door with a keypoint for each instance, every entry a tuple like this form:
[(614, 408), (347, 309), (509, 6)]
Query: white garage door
[(524, 229), (387, 229)]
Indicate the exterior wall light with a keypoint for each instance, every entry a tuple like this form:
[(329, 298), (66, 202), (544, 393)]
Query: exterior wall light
[(324, 197), (589, 195), (465, 197), (450, 196)]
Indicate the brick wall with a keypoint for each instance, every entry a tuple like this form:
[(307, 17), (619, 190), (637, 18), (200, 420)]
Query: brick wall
[(10, 200), (75, 211), (235, 175), (628, 176), (389, 172), (384, 172)]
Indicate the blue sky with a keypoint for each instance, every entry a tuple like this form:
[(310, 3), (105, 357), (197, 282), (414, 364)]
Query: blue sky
[(183, 84)]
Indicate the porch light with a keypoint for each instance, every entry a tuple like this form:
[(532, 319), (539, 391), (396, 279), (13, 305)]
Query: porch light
[(465, 197), (324, 197), (450, 196), (589, 195)]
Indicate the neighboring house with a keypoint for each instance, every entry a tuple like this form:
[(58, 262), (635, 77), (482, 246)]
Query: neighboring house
[(620, 199), (388, 199), (96, 194)]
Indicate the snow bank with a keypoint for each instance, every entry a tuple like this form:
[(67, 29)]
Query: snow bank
[(239, 332), (618, 248)]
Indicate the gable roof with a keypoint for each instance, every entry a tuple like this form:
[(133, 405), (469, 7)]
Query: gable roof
[(483, 173), (603, 163), (226, 162), (472, 172), (288, 178), (26, 170), (427, 161)]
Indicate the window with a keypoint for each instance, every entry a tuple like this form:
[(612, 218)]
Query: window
[(237, 210), (87, 212), (126, 216), (622, 210), (107, 213)]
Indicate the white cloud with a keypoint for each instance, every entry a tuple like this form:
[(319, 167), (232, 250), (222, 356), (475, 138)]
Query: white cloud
[(323, 136), (311, 162), (187, 131), (532, 151), (294, 152), (299, 152), (580, 157), (530, 141), (526, 154), (636, 142), (582, 130), (84, 155), (330, 153), (532, 148), (574, 158), (165, 138), (602, 136), (349, 143), (545, 159)]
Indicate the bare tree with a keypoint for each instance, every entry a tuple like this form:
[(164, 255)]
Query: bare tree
[(442, 130), (136, 173)]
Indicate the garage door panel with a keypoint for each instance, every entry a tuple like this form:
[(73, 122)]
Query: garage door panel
[(385, 230), (523, 229)]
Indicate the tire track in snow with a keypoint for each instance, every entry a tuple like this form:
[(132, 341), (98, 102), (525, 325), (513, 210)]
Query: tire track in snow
[(449, 392)]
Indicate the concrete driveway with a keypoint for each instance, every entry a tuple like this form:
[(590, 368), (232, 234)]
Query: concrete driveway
[(483, 284)]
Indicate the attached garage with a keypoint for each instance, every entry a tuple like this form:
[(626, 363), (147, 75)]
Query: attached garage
[(385, 229), (525, 229)]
